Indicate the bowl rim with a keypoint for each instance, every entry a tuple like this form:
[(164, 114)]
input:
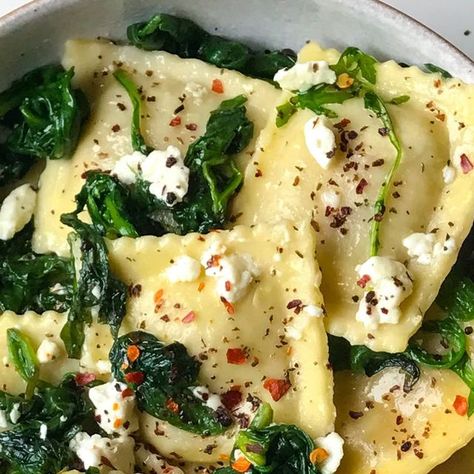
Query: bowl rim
[(22, 12)]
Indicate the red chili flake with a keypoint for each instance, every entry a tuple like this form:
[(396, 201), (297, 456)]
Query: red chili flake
[(158, 297), (189, 318), (466, 164), (135, 377), (236, 356), (191, 126), (84, 378), (213, 261), (172, 405), (228, 285), (460, 405), (133, 353), (231, 398), (175, 121), (128, 392), (217, 86), (228, 306), (277, 387), (360, 187), (363, 281)]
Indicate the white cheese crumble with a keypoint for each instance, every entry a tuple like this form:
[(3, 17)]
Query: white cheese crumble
[(103, 366), (43, 431), (183, 269), (48, 351), (164, 170), (333, 445), (58, 289), (4, 425), (320, 140), (303, 76), (115, 412), (296, 328), (15, 413), (211, 400), (233, 272), (387, 284), (424, 249), (119, 452), (16, 211), (331, 198), (196, 91), (152, 463), (167, 175), (127, 168), (449, 174)]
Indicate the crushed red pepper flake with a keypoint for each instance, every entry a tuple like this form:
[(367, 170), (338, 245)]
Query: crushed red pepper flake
[(172, 405), (460, 405), (362, 282), (135, 377), (277, 387), (84, 378), (128, 392), (231, 398), (201, 286), (217, 86), (133, 353), (361, 186), (175, 121), (228, 306), (466, 164), (236, 356), (189, 318)]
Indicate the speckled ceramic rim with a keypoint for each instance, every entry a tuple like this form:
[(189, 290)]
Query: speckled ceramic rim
[(376, 8)]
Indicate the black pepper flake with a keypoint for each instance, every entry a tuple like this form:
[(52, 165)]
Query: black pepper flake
[(355, 415), (378, 162), (170, 198), (179, 109), (468, 330), (116, 128), (384, 131), (171, 161), (405, 446), (121, 106)]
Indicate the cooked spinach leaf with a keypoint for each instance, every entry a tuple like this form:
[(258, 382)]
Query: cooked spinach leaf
[(456, 296), (358, 65), (401, 99), (23, 356), (343, 356), (186, 39), (30, 281), (451, 339), (274, 448), (432, 68), (376, 105), (42, 114), (95, 289), (163, 377), (138, 142), (63, 410)]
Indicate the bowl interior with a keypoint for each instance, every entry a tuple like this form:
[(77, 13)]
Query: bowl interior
[(35, 34)]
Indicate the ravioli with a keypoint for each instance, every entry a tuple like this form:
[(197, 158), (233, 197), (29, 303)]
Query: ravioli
[(386, 430), (285, 181), (259, 325), (172, 87)]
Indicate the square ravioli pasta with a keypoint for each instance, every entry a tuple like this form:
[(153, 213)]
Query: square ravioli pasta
[(178, 97), (428, 212), (420, 429), (246, 303)]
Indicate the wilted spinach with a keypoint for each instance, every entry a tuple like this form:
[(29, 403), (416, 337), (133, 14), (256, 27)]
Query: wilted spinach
[(42, 115), (64, 410), (95, 289), (30, 281), (120, 210), (186, 39), (432, 68), (163, 377), (277, 448)]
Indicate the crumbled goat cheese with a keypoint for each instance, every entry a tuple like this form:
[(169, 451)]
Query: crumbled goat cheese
[(16, 211), (43, 431), (320, 140), (303, 76), (299, 322), (103, 366), (331, 199), (449, 174), (127, 168), (58, 289), (48, 351), (196, 91), (115, 412), (424, 249), (333, 445), (167, 175), (211, 400), (233, 273), (152, 463), (15, 413), (387, 284), (164, 170), (92, 450), (184, 268), (4, 425)]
